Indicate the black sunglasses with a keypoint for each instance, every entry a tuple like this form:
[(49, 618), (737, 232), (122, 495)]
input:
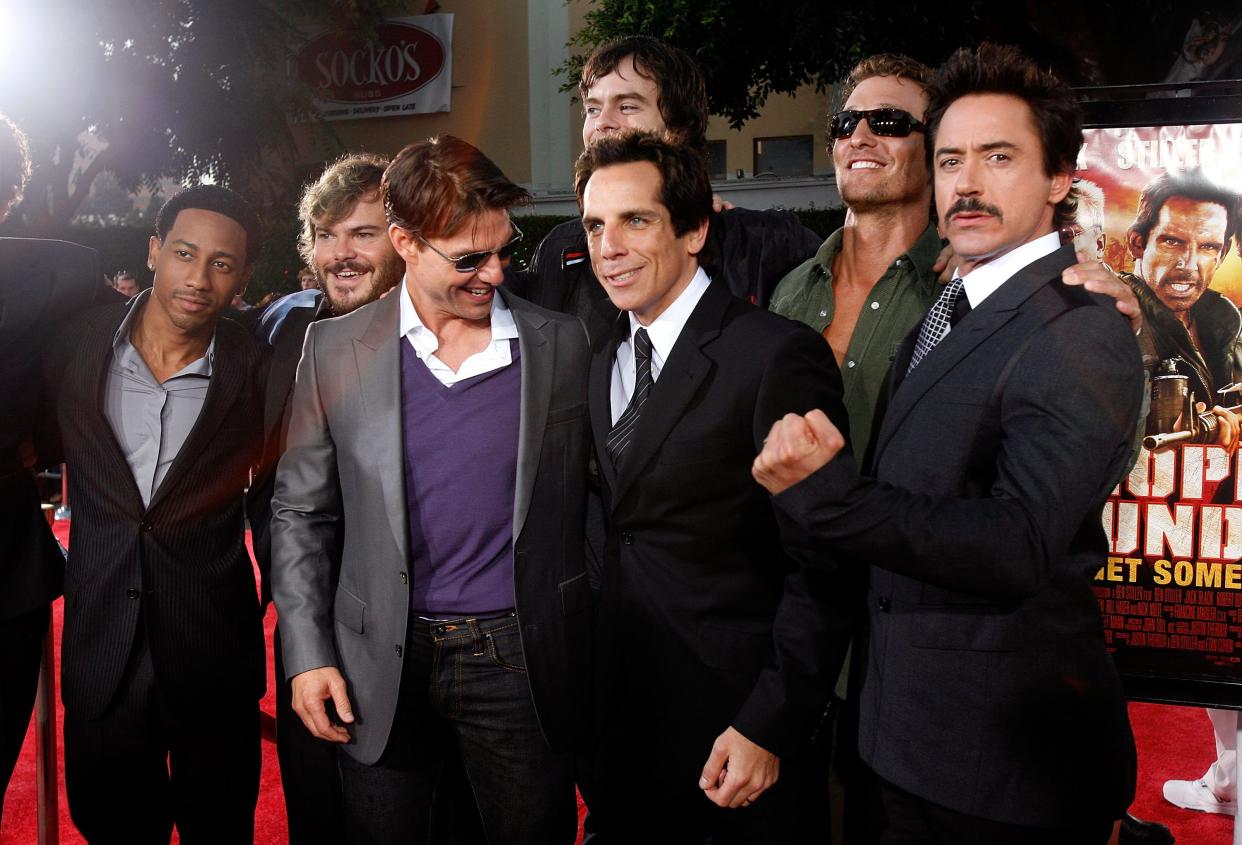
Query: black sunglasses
[(890, 123), (472, 261)]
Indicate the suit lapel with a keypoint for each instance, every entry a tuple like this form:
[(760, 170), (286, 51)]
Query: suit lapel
[(377, 354), (538, 365), (228, 377), (285, 357), (97, 351), (680, 378), (979, 325), (599, 395)]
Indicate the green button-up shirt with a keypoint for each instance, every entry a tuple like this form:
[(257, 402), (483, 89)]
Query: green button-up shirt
[(897, 302)]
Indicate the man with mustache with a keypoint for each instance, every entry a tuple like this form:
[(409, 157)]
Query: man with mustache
[(990, 708), (344, 242), (1180, 236)]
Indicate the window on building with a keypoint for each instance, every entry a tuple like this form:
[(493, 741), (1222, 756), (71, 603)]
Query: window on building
[(788, 155), (717, 159)]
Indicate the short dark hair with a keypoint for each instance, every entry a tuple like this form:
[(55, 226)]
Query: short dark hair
[(332, 196), (14, 165), (432, 187), (220, 200), (1002, 69), (682, 91), (885, 64), (685, 183), (1191, 185)]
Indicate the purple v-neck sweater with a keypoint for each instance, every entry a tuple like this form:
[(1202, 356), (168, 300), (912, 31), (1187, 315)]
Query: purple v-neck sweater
[(460, 470)]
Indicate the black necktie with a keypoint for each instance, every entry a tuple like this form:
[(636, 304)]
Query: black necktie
[(623, 429), (945, 312)]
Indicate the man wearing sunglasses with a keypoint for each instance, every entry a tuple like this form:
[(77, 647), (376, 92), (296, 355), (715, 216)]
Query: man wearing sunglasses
[(425, 428)]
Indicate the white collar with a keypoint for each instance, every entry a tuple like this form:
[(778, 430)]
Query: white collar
[(665, 329), (986, 279), (503, 325)]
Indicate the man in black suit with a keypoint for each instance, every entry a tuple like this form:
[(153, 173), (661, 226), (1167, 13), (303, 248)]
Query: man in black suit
[(41, 283), (990, 708), (717, 652), (159, 408), (344, 242)]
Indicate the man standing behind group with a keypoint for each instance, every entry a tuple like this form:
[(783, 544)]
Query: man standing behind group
[(981, 549), (344, 242), (717, 652), (449, 623), (159, 409), (640, 82)]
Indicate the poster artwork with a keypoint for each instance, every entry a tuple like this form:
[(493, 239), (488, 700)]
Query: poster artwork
[(1160, 206)]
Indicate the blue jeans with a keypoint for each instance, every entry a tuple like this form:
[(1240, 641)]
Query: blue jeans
[(464, 683)]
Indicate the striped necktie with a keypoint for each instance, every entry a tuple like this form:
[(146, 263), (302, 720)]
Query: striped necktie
[(623, 429)]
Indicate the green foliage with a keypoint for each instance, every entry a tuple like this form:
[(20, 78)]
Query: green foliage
[(750, 50)]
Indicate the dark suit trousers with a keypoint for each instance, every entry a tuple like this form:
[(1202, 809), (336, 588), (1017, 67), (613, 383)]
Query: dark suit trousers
[(794, 810), (139, 768), (309, 773), (21, 646), (914, 821)]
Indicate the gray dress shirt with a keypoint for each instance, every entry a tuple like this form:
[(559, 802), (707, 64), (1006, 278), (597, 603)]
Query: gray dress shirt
[(151, 421)]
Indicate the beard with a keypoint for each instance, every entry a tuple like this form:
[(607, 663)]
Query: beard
[(383, 278)]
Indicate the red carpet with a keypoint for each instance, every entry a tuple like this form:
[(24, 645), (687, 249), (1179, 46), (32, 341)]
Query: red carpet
[(1173, 742)]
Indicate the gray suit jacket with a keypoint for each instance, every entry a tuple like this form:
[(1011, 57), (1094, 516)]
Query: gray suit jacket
[(341, 477), (988, 687)]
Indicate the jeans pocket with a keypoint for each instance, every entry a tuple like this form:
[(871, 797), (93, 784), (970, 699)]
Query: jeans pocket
[(503, 647)]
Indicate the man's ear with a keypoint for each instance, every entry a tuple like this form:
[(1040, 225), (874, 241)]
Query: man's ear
[(1060, 188), (1137, 247), (153, 251), (247, 274), (405, 243), (696, 238)]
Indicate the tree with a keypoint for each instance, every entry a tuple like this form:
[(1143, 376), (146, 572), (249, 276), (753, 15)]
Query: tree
[(749, 50), (151, 89)]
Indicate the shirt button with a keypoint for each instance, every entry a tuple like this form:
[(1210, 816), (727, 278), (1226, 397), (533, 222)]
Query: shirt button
[(400, 651), (885, 604), (627, 539), (823, 313), (850, 364), (405, 579), (132, 593), (875, 305), (900, 261), (145, 527)]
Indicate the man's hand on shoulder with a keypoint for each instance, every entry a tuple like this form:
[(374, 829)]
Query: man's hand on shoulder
[(738, 771), (310, 690), (1097, 278), (796, 448)]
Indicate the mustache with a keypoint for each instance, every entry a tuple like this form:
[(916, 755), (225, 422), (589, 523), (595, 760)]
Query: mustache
[(351, 264), (975, 205)]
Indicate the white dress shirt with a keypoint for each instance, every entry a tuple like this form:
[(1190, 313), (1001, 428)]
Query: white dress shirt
[(663, 332), (986, 279), (495, 355)]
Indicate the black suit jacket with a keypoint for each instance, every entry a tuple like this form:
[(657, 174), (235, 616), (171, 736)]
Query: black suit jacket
[(180, 565), (706, 621), (282, 327), (41, 284), (988, 687)]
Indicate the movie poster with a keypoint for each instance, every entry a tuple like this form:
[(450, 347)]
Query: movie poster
[(1171, 587)]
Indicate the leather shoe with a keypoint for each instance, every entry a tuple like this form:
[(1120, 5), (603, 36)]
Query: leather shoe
[(1136, 831)]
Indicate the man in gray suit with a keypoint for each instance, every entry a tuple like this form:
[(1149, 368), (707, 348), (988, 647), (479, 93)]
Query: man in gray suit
[(425, 428)]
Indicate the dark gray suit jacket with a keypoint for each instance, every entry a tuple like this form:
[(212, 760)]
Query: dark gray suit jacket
[(988, 687), (342, 470)]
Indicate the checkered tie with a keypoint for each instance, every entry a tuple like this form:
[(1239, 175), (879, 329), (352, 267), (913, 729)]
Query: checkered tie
[(937, 322), (623, 429)]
